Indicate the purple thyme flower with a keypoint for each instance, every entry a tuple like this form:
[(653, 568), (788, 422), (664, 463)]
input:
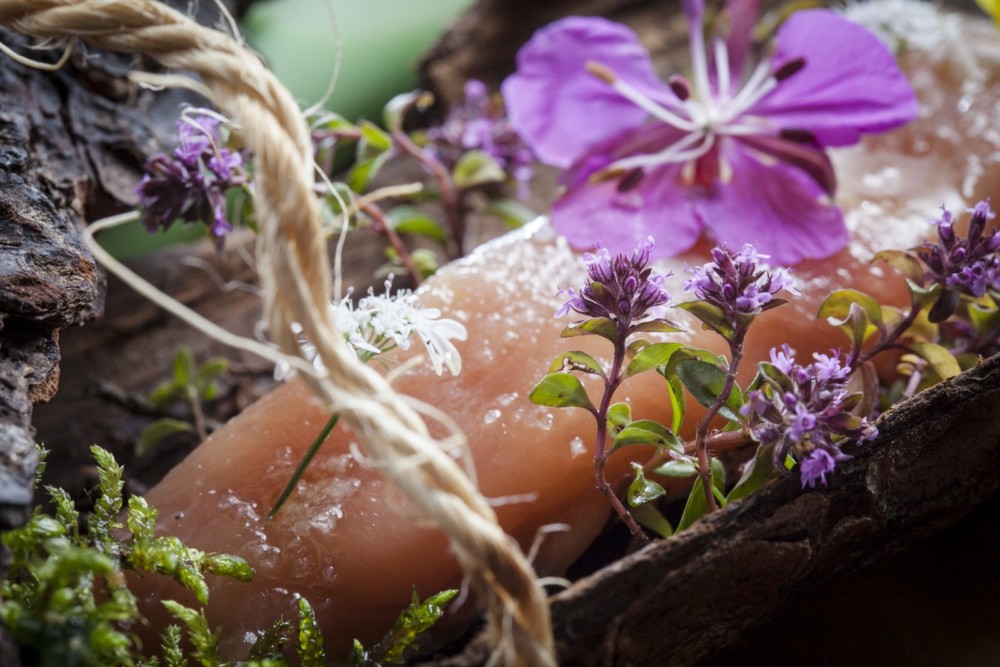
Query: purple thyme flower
[(806, 411), (480, 123), (620, 288), (190, 185), (967, 265), (740, 156), (739, 284)]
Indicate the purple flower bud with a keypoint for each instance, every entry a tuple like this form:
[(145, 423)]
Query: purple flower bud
[(479, 122), (815, 467), (739, 284), (190, 185), (622, 288), (963, 265), (807, 413)]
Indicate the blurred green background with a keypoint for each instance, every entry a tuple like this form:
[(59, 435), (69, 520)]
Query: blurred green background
[(380, 44)]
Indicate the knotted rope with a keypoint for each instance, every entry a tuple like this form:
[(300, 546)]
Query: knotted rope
[(295, 279)]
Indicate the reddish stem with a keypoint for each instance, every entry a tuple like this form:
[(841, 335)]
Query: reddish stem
[(716, 442), (382, 226), (701, 433), (600, 450), (450, 200)]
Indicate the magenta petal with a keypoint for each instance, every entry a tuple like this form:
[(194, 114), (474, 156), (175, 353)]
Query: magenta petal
[(557, 107), (850, 83), (776, 206), (657, 207)]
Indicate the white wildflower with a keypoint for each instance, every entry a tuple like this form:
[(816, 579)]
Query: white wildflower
[(380, 322)]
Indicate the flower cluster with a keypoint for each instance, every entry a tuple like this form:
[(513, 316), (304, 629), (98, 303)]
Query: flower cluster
[(622, 288), (190, 184), (739, 284), (967, 265), (378, 323), (480, 123), (806, 411), (740, 157)]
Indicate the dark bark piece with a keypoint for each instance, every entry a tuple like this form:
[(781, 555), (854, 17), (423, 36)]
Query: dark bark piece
[(681, 600)]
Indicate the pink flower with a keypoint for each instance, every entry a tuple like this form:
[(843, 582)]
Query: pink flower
[(740, 157)]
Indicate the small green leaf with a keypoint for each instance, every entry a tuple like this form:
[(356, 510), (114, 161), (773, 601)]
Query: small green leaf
[(374, 138), (718, 479), (310, 644), (561, 390), (165, 394), (652, 519), (365, 170), (696, 506), (477, 168), (940, 359), (158, 431), (576, 361), (208, 373), (205, 642), (774, 376), (658, 325), (395, 109), (642, 490), (104, 517), (411, 220), (678, 469), (837, 306), (904, 262), (512, 212), (712, 318), (921, 296), (184, 368), (946, 305), (619, 416), (170, 641), (415, 620), (595, 326), (648, 432), (141, 520), (330, 121), (675, 388), (651, 356), (706, 381), (270, 644), (984, 318), (226, 565)]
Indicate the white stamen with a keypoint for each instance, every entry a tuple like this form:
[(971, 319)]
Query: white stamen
[(699, 63), (674, 153), (761, 82), (746, 127), (639, 99), (722, 68)]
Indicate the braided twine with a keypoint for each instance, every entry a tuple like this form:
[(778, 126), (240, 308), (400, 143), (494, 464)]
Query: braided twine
[(295, 278)]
